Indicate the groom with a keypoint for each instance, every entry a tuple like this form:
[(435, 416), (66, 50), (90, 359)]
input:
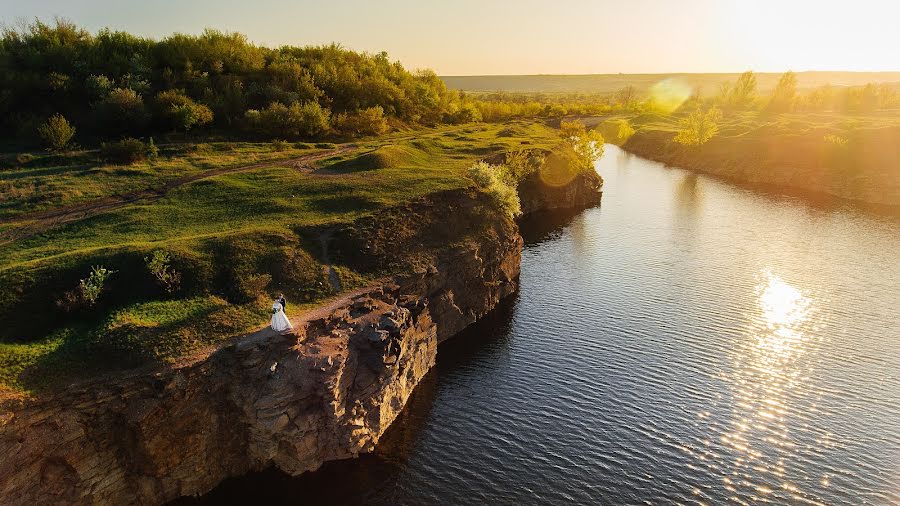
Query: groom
[(281, 301)]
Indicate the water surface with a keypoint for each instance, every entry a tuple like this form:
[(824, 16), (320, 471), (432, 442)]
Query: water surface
[(689, 341)]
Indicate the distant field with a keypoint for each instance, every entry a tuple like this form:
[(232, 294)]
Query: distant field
[(605, 83)]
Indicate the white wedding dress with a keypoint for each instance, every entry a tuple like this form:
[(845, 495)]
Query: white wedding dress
[(280, 322)]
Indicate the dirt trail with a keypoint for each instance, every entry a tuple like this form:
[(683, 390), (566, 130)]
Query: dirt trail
[(35, 223)]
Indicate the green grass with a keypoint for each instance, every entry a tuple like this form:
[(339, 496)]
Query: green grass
[(51, 181), (825, 155), (235, 238)]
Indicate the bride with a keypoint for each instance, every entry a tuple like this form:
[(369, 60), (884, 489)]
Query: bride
[(280, 322)]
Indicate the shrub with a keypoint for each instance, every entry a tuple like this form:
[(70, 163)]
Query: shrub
[(369, 121), (586, 144), (159, 263), (122, 111), (520, 164), (699, 127), (56, 133), (152, 150), (180, 112), (489, 178), (91, 287), (280, 145), (127, 151), (836, 140), (297, 120), (467, 113), (625, 130), (24, 158)]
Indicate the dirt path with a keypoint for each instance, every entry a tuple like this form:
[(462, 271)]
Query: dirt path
[(35, 223)]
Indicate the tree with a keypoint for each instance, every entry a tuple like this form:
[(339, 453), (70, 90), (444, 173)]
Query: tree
[(180, 112), (741, 95), (56, 133), (587, 144), (297, 120), (699, 127), (122, 110), (489, 178), (785, 93)]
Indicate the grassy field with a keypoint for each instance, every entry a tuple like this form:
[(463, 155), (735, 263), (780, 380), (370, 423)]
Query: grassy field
[(826, 156), (606, 83), (235, 234)]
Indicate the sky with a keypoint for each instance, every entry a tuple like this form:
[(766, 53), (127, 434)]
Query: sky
[(479, 37)]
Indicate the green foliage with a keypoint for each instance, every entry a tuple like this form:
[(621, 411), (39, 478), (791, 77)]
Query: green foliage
[(587, 144), (368, 121), (56, 133), (467, 113), (280, 145), (126, 151), (159, 263), (152, 150), (102, 82), (490, 179), (180, 112), (24, 158), (92, 286), (624, 130), (307, 120), (122, 110), (698, 127), (520, 164)]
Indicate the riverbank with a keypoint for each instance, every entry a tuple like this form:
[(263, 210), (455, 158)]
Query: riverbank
[(822, 157), (327, 392)]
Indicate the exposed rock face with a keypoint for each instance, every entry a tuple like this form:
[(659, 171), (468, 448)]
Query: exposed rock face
[(290, 401), (582, 191), (329, 392)]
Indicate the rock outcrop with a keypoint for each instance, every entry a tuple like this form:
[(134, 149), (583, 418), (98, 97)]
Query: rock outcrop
[(326, 392), (580, 190)]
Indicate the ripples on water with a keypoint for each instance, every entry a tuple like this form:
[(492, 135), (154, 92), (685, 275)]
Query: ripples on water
[(688, 342)]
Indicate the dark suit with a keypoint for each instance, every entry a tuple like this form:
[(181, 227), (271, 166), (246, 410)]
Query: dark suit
[(283, 303)]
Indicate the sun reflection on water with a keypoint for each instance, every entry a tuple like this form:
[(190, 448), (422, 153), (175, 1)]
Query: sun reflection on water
[(766, 380)]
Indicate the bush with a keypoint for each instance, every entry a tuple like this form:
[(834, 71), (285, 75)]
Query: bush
[(489, 178), (280, 145), (180, 112), (122, 111), (467, 113), (56, 133), (24, 158), (91, 287), (127, 151), (297, 120), (152, 150), (586, 144), (369, 121), (699, 127), (625, 130), (160, 265)]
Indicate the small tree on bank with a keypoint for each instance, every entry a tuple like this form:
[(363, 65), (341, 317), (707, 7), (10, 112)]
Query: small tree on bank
[(699, 127), (56, 133)]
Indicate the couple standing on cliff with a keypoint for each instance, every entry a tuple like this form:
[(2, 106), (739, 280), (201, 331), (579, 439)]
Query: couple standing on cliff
[(280, 321)]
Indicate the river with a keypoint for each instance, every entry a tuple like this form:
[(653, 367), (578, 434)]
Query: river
[(688, 341)]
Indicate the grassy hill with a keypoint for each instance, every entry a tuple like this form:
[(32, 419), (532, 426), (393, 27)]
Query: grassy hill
[(239, 220), (606, 83)]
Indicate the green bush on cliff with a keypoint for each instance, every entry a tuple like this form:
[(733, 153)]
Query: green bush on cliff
[(489, 178)]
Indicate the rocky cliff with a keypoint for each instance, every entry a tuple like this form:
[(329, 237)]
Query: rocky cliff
[(326, 392)]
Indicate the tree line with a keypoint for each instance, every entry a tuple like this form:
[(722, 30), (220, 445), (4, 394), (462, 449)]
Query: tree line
[(113, 84)]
